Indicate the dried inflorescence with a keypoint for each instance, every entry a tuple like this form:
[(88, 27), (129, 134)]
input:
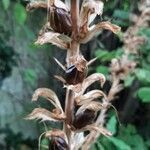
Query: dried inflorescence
[(68, 28), (131, 39), (122, 67)]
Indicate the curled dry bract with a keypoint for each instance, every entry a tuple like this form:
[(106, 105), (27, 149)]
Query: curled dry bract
[(45, 115), (53, 38)]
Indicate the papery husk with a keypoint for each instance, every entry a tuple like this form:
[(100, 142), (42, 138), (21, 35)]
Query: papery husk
[(95, 128), (91, 79), (80, 88), (93, 30), (49, 95), (53, 38), (94, 106), (86, 98), (45, 115), (36, 4), (89, 10)]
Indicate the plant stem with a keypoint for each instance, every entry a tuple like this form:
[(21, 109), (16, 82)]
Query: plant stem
[(71, 53), (74, 18)]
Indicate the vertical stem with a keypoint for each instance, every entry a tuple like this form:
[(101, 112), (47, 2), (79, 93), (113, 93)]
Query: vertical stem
[(71, 53), (74, 18), (69, 106), (74, 49)]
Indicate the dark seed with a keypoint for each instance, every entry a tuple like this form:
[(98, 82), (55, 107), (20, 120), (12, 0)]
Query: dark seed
[(85, 118), (58, 143), (60, 20), (73, 76)]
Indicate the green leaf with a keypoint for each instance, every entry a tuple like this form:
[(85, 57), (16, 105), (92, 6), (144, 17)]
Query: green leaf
[(104, 55), (20, 13), (138, 142), (6, 4), (130, 129), (99, 146), (111, 125), (121, 145), (144, 94), (44, 144), (143, 75), (121, 14), (102, 69), (101, 53)]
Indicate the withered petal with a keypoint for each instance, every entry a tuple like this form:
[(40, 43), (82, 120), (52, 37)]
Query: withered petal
[(102, 130), (91, 79), (49, 95), (94, 106), (53, 38), (45, 115), (36, 4), (89, 10), (96, 28), (86, 98)]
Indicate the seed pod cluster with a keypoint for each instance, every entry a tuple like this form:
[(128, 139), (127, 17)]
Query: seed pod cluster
[(85, 118), (60, 20)]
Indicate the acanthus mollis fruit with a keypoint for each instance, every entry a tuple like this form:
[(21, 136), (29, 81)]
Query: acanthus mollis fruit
[(73, 76), (60, 20), (76, 72), (84, 118), (58, 143)]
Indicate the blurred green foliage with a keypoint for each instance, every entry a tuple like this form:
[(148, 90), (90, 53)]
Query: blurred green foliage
[(125, 138), (20, 68), (22, 15), (7, 54)]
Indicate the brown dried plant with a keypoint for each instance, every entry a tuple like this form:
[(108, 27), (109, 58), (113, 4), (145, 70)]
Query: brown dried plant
[(68, 27), (123, 66)]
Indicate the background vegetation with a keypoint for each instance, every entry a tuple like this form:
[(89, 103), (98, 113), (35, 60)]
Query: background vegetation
[(24, 67)]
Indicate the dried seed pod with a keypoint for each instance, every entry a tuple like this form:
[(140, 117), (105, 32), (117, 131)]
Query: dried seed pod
[(77, 72), (85, 118), (74, 76), (60, 20), (58, 143)]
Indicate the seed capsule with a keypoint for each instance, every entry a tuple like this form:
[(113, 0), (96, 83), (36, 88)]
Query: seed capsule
[(74, 76), (85, 118), (58, 143), (60, 20)]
